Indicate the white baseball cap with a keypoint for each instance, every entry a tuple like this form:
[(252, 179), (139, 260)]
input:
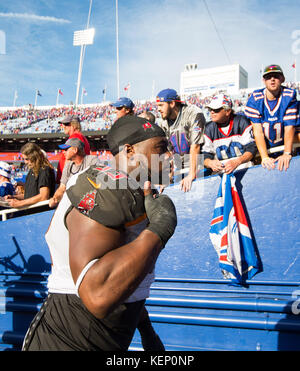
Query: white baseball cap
[(5, 169), (220, 101)]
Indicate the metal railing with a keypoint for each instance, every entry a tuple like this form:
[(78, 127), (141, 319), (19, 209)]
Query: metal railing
[(5, 212)]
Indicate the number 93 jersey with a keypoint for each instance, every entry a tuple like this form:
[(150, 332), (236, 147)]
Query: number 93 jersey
[(273, 115)]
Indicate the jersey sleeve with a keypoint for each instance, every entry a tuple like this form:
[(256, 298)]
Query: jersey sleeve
[(251, 110), (247, 137), (291, 113), (197, 127), (208, 148), (107, 196)]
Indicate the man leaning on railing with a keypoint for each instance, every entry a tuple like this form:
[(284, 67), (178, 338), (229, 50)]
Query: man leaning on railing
[(274, 113)]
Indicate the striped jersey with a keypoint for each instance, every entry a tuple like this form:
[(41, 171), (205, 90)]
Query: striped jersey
[(231, 141), (273, 115), (187, 129)]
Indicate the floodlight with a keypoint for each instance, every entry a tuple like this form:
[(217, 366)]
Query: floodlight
[(84, 37)]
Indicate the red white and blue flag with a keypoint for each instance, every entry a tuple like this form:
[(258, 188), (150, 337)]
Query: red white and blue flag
[(230, 234), (127, 87)]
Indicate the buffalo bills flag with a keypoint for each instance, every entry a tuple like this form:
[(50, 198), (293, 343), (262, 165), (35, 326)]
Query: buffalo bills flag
[(230, 234)]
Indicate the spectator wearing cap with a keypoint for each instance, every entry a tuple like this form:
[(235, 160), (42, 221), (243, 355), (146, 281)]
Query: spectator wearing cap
[(273, 112), (184, 127), (124, 106), (6, 187), (227, 137), (71, 126), (76, 161)]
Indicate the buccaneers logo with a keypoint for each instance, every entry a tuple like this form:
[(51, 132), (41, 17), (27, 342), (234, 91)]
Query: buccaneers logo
[(147, 125), (87, 203)]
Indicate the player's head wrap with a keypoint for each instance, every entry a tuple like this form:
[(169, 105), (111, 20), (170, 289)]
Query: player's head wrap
[(131, 130)]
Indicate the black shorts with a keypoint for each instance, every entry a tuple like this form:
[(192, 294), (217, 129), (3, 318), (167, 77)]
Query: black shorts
[(63, 323)]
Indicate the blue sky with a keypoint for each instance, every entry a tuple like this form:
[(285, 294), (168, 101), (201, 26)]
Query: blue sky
[(156, 39)]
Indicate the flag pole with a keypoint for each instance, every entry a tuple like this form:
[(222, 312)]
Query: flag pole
[(15, 98), (57, 97), (35, 101), (104, 95), (153, 90), (295, 76)]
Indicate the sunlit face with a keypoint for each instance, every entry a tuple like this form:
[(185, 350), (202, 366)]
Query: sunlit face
[(273, 81), (66, 128), (27, 161), (153, 157), (164, 108), (122, 111), (219, 115), (70, 153)]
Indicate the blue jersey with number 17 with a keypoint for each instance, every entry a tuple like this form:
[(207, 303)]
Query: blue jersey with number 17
[(273, 115)]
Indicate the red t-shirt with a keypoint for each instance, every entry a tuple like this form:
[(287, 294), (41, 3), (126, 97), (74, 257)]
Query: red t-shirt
[(61, 162)]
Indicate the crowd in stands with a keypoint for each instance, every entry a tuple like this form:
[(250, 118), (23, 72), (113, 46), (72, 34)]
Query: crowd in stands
[(99, 117), (92, 118)]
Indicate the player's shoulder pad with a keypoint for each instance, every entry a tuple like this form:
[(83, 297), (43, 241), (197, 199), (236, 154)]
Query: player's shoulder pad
[(107, 196)]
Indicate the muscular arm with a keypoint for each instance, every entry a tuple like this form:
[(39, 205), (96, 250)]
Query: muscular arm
[(186, 183), (259, 136), (120, 267)]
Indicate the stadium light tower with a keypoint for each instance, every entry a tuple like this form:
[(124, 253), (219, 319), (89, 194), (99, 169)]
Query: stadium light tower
[(83, 38), (117, 48)]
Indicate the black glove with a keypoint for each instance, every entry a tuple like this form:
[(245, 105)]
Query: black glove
[(162, 216)]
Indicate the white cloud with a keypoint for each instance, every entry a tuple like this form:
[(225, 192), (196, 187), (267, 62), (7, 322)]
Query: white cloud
[(34, 17)]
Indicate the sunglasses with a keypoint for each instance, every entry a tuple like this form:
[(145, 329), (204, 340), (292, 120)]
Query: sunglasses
[(215, 110), (269, 76)]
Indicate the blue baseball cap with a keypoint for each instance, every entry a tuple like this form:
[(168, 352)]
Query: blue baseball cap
[(123, 102), (168, 95), (72, 142)]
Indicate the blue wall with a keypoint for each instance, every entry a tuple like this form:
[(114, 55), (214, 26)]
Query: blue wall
[(271, 200)]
